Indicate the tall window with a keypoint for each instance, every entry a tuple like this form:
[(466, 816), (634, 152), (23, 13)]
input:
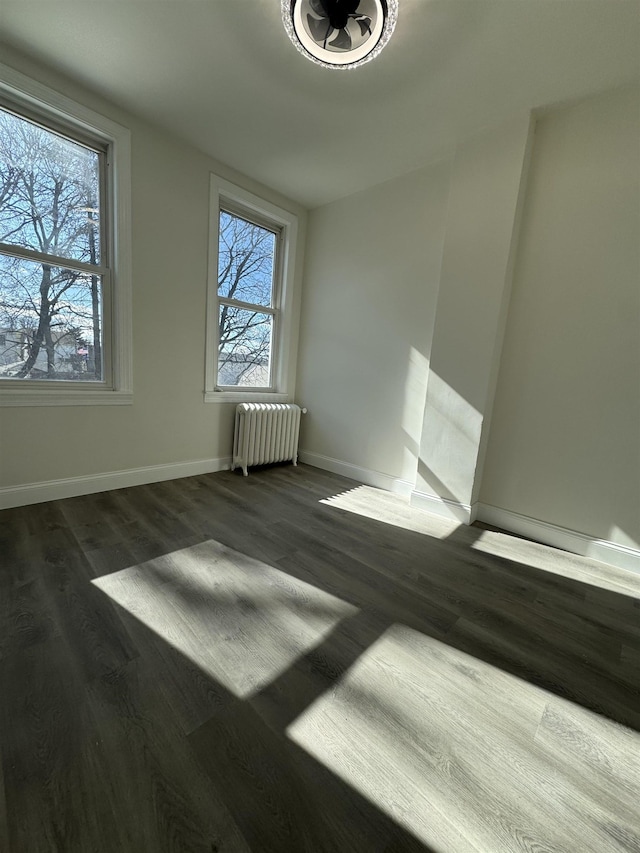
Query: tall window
[(52, 254), (248, 302), (250, 297), (64, 259)]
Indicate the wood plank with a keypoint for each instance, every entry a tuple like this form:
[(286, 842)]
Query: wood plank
[(240, 620), (292, 661), (152, 780), (443, 742), (599, 763), (4, 823), (282, 799), (54, 798)]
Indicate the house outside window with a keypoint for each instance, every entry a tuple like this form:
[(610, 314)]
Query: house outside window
[(64, 259), (250, 302)]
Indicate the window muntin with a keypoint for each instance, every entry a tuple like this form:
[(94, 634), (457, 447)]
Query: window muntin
[(54, 281), (248, 294)]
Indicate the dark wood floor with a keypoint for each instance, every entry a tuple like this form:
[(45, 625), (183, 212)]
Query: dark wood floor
[(290, 662)]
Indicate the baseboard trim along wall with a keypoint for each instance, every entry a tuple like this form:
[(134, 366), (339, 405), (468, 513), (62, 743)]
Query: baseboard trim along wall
[(71, 487), (464, 513), (511, 522), (540, 531), (560, 537), (363, 475)]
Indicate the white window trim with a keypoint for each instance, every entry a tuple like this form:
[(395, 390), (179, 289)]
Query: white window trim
[(222, 191), (22, 89)]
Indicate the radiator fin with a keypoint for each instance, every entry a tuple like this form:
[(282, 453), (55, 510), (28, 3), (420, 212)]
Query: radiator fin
[(264, 433)]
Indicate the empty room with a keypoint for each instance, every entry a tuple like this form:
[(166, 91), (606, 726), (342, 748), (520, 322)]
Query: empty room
[(320, 426)]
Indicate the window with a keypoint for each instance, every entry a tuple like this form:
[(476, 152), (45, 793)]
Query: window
[(52, 254), (247, 301), (64, 278), (252, 246)]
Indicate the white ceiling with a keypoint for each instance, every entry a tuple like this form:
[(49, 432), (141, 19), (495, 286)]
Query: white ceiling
[(223, 75)]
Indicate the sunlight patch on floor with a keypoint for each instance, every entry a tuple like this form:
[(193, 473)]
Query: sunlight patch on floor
[(393, 509), (563, 563), (241, 621), (460, 752)]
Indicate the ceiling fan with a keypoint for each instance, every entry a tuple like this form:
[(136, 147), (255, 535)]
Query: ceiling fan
[(340, 33)]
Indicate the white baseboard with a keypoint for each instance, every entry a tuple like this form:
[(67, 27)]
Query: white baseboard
[(560, 537), (354, 472), (51, 490), (540, 531), (464, 513)]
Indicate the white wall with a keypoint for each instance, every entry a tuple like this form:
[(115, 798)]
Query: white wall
[(565, 441), (168, 422), (369, 296), (487, 188), (557, 453)]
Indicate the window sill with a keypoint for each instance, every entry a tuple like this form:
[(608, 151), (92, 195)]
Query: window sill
[(245, 397), (54, 397)]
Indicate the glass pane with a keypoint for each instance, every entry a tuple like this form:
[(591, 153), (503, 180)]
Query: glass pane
[(244, 352), (50, 190), (246, 254), (50, 322)]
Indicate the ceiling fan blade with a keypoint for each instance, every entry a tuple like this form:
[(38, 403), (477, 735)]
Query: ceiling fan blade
[(342, 40), (320, 7), (365, 24), (320, 29)]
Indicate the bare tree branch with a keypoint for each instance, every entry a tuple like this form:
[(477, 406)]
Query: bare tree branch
[(48, 185)]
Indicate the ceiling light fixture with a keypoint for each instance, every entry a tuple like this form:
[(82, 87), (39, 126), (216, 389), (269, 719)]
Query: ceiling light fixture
[(339, 33)]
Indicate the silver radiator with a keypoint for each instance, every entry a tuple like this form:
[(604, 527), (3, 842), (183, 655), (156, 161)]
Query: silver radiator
[(264, 433)]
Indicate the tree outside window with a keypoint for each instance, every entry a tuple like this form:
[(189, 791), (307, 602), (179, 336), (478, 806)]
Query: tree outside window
[(52, 247), (247, 309)]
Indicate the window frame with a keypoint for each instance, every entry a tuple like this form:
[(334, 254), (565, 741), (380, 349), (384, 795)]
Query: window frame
[(225, 196), (35, 102)]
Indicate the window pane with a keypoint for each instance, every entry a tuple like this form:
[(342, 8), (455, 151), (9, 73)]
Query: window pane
[(246, 254), (244, 351), (50, 322), (50, 192)]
